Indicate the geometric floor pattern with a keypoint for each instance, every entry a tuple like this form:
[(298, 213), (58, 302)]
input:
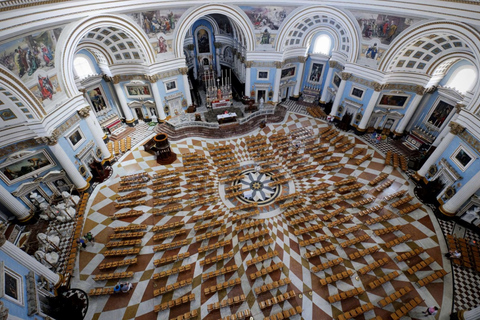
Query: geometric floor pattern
[(310, 294)]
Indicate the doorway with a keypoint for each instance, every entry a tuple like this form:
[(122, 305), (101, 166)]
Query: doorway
[(139, 113), (260, 95)]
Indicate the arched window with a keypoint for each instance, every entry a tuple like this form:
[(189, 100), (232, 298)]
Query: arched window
[(323, 45), (463, 79), (83, 67)]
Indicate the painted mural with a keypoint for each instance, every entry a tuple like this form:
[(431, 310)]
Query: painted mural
[(26, 55), (45, 87), (267, 17)]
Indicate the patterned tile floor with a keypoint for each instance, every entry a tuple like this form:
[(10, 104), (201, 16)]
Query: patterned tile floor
[(139, 303)]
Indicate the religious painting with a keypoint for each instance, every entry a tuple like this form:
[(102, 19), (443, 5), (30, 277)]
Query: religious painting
[(267, 17), (25, 167), (336, 80), (203, 41), (380, 27), (45, 88), (75, 138), (288, 72), (7, 114), (393, 100), (170, 85), (357, 93), (228, 54), (138, 90), (158, 21), (316, 72), (440, 114), (11, 285), (97, 100), (162, 45), (262, 75), (462, 157), (26, 55), (265, 37)]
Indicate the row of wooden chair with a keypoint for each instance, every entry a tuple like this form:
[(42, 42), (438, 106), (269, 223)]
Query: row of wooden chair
[(239, 315), (303, 168), (356, 312), (125, 243), (333, 213), (384, 185), (168, 226), (253, 235), (233, 188), (194, 161), (308, 229), (201, 202), (173, 303), (288, 196), (167, 193), (395, 195), (409, 254), (351, 187), (305, 174), (225, 303), (244, 206), (115, 264), (265, 271), (270, 169), (257, 245), (160, 202), (363, 202), (436, 275), (134, 181), (384, 231), (363, 253), (171, 245), (229, 173), (272, 285), (279, 182), (406, 308), (326, 265), (140, 175), (363, 159), (166, 186), (293, 203), (224, 285), (132, 227), (197, 173), (322, 196), (113, 276), (266, 158), (170, 208), (303, 219), (168, 273), (336, 277), (316, 148), (347, 147), (137, 234), (331, 135), (372, 266), (340, 221), (342, 144), (214, 246), (321, 156), (380, 177), (317, 252), (296, 211), (163, 173), (100, 291), (216, 258), (346, 294), (410, 208), (131, 196), (219, 272), (171, 287), (209, 235), (124, 252), (132, 187), (249, 225), (285, 314), (327, 203), (208, 225), (394, 296), (330, 160), (129, 204), (385, 217), (370, 210), (356, 240), (355, 153), (346, 231), (470, 252), (166, 260), (208, 215), (398, 241), (404, 200), (345, 181), (422, 264), (168, 234), (268, 255), (194, 168), (280, 298), (244, 215), (386, 278), (337, 139)]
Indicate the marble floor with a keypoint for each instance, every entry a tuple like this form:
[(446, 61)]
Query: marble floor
[(310, 294)]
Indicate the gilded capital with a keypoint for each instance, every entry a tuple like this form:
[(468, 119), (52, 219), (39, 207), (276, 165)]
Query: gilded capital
[(83, 90), (3, 239), (377, 86), (420, 90), (456, 128), (107, 78), (278, 64), (183, 70), (302, 59), (346, 76), (115, 79), (151, 79), (332, 64), (242, 59), (84, 112), (431, 89), (239, 55), (248, 64), (217, 45), (51, 140), (459, 107)]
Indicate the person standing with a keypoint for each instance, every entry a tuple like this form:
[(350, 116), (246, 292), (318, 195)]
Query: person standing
[(431, 311)]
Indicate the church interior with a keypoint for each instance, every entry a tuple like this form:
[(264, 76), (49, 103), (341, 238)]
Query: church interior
[(179, 160)]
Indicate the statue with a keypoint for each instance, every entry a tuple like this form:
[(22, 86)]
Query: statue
[(261, 103), (471, 215)]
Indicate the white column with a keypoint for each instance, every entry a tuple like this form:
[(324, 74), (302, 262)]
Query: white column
[(276, 84), (328, 79), (462, 195), (186, 86), (69, 167), (369, 109), (21, 212), (435, 155), (338, 96), (96, 130), (409, 113), (123, 103), (217, 51), (298, 85), (446, 129), (470, 314), (30, 262), (158, 101), (248, 77)]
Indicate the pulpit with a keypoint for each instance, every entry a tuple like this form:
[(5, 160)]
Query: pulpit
[(160, 147)]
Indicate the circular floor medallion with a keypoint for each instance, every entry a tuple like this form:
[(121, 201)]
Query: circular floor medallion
[(256, 187)]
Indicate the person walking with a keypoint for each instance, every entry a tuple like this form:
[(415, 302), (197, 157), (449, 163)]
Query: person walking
[(89, 237), (431, 311), (82, 242)]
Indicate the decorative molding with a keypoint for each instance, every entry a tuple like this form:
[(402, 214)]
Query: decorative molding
[(377, 86), (459, 107), (302, 59), (18, 147), (346, 76), (278, 64), (248, 64), (332, 64), (3, 239), (84, 112), (67, 125), (264, 64), (32, 307), (456, 128), (452, 170), (48, 140), (152, 79), (470, 140), (3, 309), (404, 87), (218, 45), (183, 71), (432, 171)]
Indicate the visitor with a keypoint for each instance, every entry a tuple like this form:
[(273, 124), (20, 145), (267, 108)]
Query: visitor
[(453, 254), (118, 288), (379, 137), (431, 311), (82, 242), (89, 237), (126, 287)]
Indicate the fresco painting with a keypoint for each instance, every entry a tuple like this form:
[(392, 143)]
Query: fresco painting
[(267, 17)]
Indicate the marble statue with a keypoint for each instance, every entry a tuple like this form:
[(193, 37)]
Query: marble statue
[(49, 260), (48, 240), (471, 214)]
